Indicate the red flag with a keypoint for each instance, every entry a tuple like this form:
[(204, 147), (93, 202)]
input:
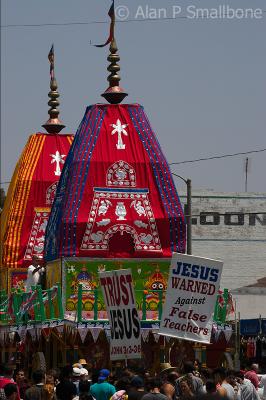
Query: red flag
[(111, 14), (51, 60)]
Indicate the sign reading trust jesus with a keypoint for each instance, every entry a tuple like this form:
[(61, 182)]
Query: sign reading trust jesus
[(193, 285), (120, 303)]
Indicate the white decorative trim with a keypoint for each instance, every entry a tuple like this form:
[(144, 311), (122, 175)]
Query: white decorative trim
[(50, 193), (144, 234), (121, 174), (35, 244)]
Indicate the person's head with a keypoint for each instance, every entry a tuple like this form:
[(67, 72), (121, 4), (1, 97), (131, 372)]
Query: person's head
[(255, 367), (103, 375), (20, 376), (137, 382), (52, 376), (84, 386), (210, 386), (230, 377), (219, 375), (206, 374), (11, 391), (124, 383), (83, 363), (66, 372), (239, 376), (188, 367), (35, 261), (154, 383), (49, 378), (197, 365), (38, 376), (172, 377)]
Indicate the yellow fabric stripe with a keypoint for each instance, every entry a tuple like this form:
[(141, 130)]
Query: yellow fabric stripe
[(70, 139), (19, 200), (34, 160), (22, 166)]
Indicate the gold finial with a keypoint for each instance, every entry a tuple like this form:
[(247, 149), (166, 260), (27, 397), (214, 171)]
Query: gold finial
[(53, 125), (114, 94)]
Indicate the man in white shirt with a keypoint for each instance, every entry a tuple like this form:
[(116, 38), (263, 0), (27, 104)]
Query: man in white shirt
[(34, 274), (246, 390)]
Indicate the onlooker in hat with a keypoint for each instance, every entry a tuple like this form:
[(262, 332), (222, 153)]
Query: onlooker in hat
[(137, 390), (37, 391), (102, 390), (83, 363), (252, 375), (11, 391), (154, 385), (77, 365)]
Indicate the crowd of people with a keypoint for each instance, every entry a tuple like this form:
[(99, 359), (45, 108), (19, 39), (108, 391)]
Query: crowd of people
[(78, 382)]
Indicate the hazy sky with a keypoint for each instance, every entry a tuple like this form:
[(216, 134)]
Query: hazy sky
[(202, 81)]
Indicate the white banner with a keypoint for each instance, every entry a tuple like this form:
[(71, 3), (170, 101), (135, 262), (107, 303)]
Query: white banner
[(193, 285), (120, 303)]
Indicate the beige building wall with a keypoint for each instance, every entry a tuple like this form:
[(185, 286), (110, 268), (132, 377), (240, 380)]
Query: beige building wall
[(231, 227)]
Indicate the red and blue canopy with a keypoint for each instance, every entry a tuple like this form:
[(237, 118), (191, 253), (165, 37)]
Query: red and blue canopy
[(116, 196)]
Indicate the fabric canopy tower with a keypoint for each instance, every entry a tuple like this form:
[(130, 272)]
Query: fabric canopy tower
[(116, 197), (32, 189)]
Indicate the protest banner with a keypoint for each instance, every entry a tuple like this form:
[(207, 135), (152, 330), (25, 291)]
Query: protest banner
[(193, 286), (120, 303)]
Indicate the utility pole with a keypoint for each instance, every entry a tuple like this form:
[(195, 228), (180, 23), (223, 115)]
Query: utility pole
[(189, 217), (246, 174), (188, 212)]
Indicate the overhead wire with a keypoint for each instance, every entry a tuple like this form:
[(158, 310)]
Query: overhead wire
[(129, 20), (218, 157)]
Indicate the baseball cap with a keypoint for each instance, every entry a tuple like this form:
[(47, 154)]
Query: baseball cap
[(137, 382), (103, 375)]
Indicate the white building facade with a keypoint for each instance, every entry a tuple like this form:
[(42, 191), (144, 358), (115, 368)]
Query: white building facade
[(231, 227)]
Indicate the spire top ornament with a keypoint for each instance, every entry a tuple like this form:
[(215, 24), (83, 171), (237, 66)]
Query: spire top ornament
[(53, 125), (114, 94)]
